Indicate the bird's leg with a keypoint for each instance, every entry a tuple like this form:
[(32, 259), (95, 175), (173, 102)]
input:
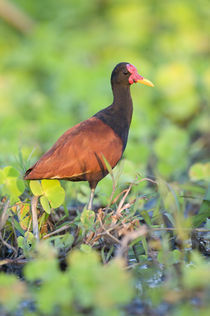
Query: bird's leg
[(34, 217), (90, 203)]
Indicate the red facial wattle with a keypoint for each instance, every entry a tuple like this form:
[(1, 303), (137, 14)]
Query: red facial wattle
[(135, 77)]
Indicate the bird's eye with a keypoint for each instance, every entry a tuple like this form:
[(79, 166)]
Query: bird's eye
[(125, 72)]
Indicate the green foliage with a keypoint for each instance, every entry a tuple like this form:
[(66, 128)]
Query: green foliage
[(62, 242), (196, 275), (45, 204), (22, 210), (26, 242), (204, 211), (10, 184), (36, 188), (12, 291), (172, 257), (200, 171), (171, 149), (88, 284), (50, 191), (102, 289), (54, 192), (107, 285), (87, 219)]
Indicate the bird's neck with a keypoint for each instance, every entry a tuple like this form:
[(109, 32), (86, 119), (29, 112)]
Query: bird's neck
[(122, 102), (119, 114)]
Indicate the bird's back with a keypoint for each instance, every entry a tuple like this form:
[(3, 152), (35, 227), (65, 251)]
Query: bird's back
[(79, 154)]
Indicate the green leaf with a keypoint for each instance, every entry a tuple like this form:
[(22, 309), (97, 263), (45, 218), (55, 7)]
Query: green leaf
[(45, 265), (62, 242), (54, 192), (49, 185), (196, 275), (115, 285), (20, 185), (13, 190), (103, 286), (45, 204), (36, 187), (67, 240), (40, 269), (55, 292), (200, 171), (145, 245), (26, 242), (176, 256), (11, 185), (204, 211), (17, 226), (56, 197), (21, 242), (11, 172), (109, 168), (146, 217), (29, 237)]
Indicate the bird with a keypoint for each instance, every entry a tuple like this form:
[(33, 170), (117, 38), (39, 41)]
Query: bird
[(85, 151)]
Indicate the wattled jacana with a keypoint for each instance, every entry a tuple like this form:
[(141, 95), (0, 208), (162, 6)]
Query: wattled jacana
[(78, 155)]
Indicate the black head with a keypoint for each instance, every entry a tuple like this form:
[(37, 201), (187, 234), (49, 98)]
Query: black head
[(120, 74), (127, 74)]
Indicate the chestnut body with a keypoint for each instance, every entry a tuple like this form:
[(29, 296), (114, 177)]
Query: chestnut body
[(78, 154)]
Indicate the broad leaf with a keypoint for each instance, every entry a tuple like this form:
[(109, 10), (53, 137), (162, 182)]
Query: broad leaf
[(54, 192), (45, 204), (36, 187)]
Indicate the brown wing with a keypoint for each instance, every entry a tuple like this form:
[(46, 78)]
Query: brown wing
[(78, 154)]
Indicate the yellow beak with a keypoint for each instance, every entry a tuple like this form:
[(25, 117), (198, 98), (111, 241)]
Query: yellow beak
[(146, 82)]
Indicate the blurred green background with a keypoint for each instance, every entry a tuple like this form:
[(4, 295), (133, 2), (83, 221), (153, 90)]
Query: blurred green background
[(55, 67)]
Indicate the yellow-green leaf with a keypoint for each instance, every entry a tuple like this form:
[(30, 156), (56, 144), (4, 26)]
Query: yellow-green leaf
[(45, 204), (54, 192), (200, 171), (36, 187), (49, 185)]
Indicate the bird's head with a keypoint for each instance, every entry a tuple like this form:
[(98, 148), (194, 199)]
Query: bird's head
[(127, 74)]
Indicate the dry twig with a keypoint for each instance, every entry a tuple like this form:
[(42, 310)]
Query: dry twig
[(34, 202), (4, 215), (8, 245), (15, 16), (19, 260), (58, 230), (128, 238)]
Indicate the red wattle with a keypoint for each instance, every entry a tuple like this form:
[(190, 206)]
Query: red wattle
[(134, 77)]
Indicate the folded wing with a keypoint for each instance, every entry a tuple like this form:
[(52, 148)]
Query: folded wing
[(78, 154)]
